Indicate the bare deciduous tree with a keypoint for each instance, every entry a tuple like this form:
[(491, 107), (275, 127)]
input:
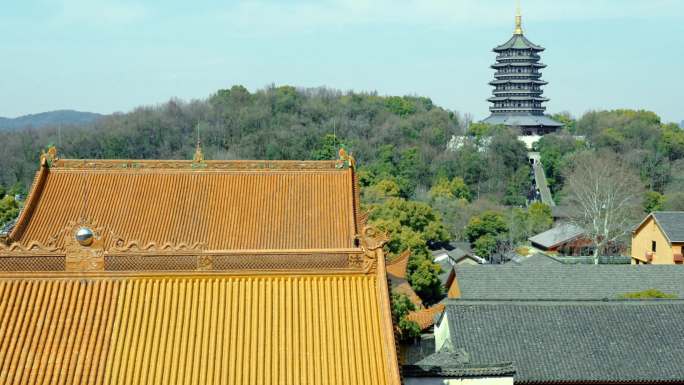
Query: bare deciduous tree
[(605, 197)]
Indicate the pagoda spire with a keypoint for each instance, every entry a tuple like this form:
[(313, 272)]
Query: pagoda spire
[(518, 21)]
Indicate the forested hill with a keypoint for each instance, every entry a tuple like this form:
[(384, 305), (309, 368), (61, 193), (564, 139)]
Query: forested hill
[(274, 123), (413, 187), (410, 181), (51, 118)]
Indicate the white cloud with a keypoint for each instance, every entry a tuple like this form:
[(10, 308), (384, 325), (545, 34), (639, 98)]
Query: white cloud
[(310, 13), (99, 12)]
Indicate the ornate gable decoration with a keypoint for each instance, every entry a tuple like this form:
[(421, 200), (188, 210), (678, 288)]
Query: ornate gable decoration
[(372, 242), (49, 157), (31, 248), (345, 160), (83, 245)]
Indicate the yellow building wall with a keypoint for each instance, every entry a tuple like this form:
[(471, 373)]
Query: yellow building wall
[(641, 244)]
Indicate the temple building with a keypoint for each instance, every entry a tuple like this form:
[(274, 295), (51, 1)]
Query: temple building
[(518, 100), (194, 272)]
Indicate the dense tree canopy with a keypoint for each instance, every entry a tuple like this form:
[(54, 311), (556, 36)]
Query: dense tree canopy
[(401, 307), (413, 226), (391, 136)]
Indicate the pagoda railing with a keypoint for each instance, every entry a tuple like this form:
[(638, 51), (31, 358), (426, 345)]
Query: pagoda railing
[(513, 57), (517, 109), (520, 74)]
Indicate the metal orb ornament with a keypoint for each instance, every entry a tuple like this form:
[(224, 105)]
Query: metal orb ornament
[(85, 236)]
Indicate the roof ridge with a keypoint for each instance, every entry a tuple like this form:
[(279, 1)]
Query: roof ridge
[(31, 202), (650, 301), (255, 164)]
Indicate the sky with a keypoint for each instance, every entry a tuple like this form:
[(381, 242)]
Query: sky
[(114, 55)]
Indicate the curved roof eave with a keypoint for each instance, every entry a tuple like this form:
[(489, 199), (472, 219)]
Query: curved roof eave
[(518, 42)]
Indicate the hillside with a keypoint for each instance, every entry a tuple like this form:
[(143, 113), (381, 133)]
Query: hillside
[(412, 186), (51, 118)]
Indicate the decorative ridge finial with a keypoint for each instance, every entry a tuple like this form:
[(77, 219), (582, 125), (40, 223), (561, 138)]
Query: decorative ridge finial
[(48, 157), (518, 21), (345, 159), (199, 155)]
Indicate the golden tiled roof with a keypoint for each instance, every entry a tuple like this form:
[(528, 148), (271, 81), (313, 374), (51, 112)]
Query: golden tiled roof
[(403, 287), (195, 272), (194, 329), (397, 266), (224, 205), (425, 317)]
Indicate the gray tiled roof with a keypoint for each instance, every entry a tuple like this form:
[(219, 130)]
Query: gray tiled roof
[(590, 341), (521, 120), (518, 42), (446, 267), (449, 363), (540, 258), (557, 235), (561, 281), (672, 223)]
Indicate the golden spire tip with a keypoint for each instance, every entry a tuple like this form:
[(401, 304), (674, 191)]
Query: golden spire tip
[(518, 21)]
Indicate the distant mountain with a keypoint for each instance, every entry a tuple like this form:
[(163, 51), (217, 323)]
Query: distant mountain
[(52, 118)]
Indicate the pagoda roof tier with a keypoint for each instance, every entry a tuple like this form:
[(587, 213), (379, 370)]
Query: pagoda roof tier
[(518, 64), (517, 81), (517, 98), (518, 41), (504, 57), (517, 91), (517, 110), (529, 75), (522, 120)]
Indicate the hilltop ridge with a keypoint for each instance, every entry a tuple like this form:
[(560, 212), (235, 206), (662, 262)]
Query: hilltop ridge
[(50, 118)]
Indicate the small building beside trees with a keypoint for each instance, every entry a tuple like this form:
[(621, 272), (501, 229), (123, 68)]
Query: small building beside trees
[(565, 239), (658, 239)]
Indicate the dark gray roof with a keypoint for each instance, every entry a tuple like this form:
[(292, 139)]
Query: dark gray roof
[(562, 281), (446, 267), (589, 341), (557, 235), (518, 42), (522, 120), (450, 363), (537, 258), (672, 223)]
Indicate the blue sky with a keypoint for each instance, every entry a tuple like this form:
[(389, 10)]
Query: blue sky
[(110, 55)]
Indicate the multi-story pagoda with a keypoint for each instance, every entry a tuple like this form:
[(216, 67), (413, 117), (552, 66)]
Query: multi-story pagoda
[(518, 99)]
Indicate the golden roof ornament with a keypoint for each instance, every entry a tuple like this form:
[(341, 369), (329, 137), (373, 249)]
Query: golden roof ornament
[(199, 156), (47, 158), (518, 21), (346, 159)]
